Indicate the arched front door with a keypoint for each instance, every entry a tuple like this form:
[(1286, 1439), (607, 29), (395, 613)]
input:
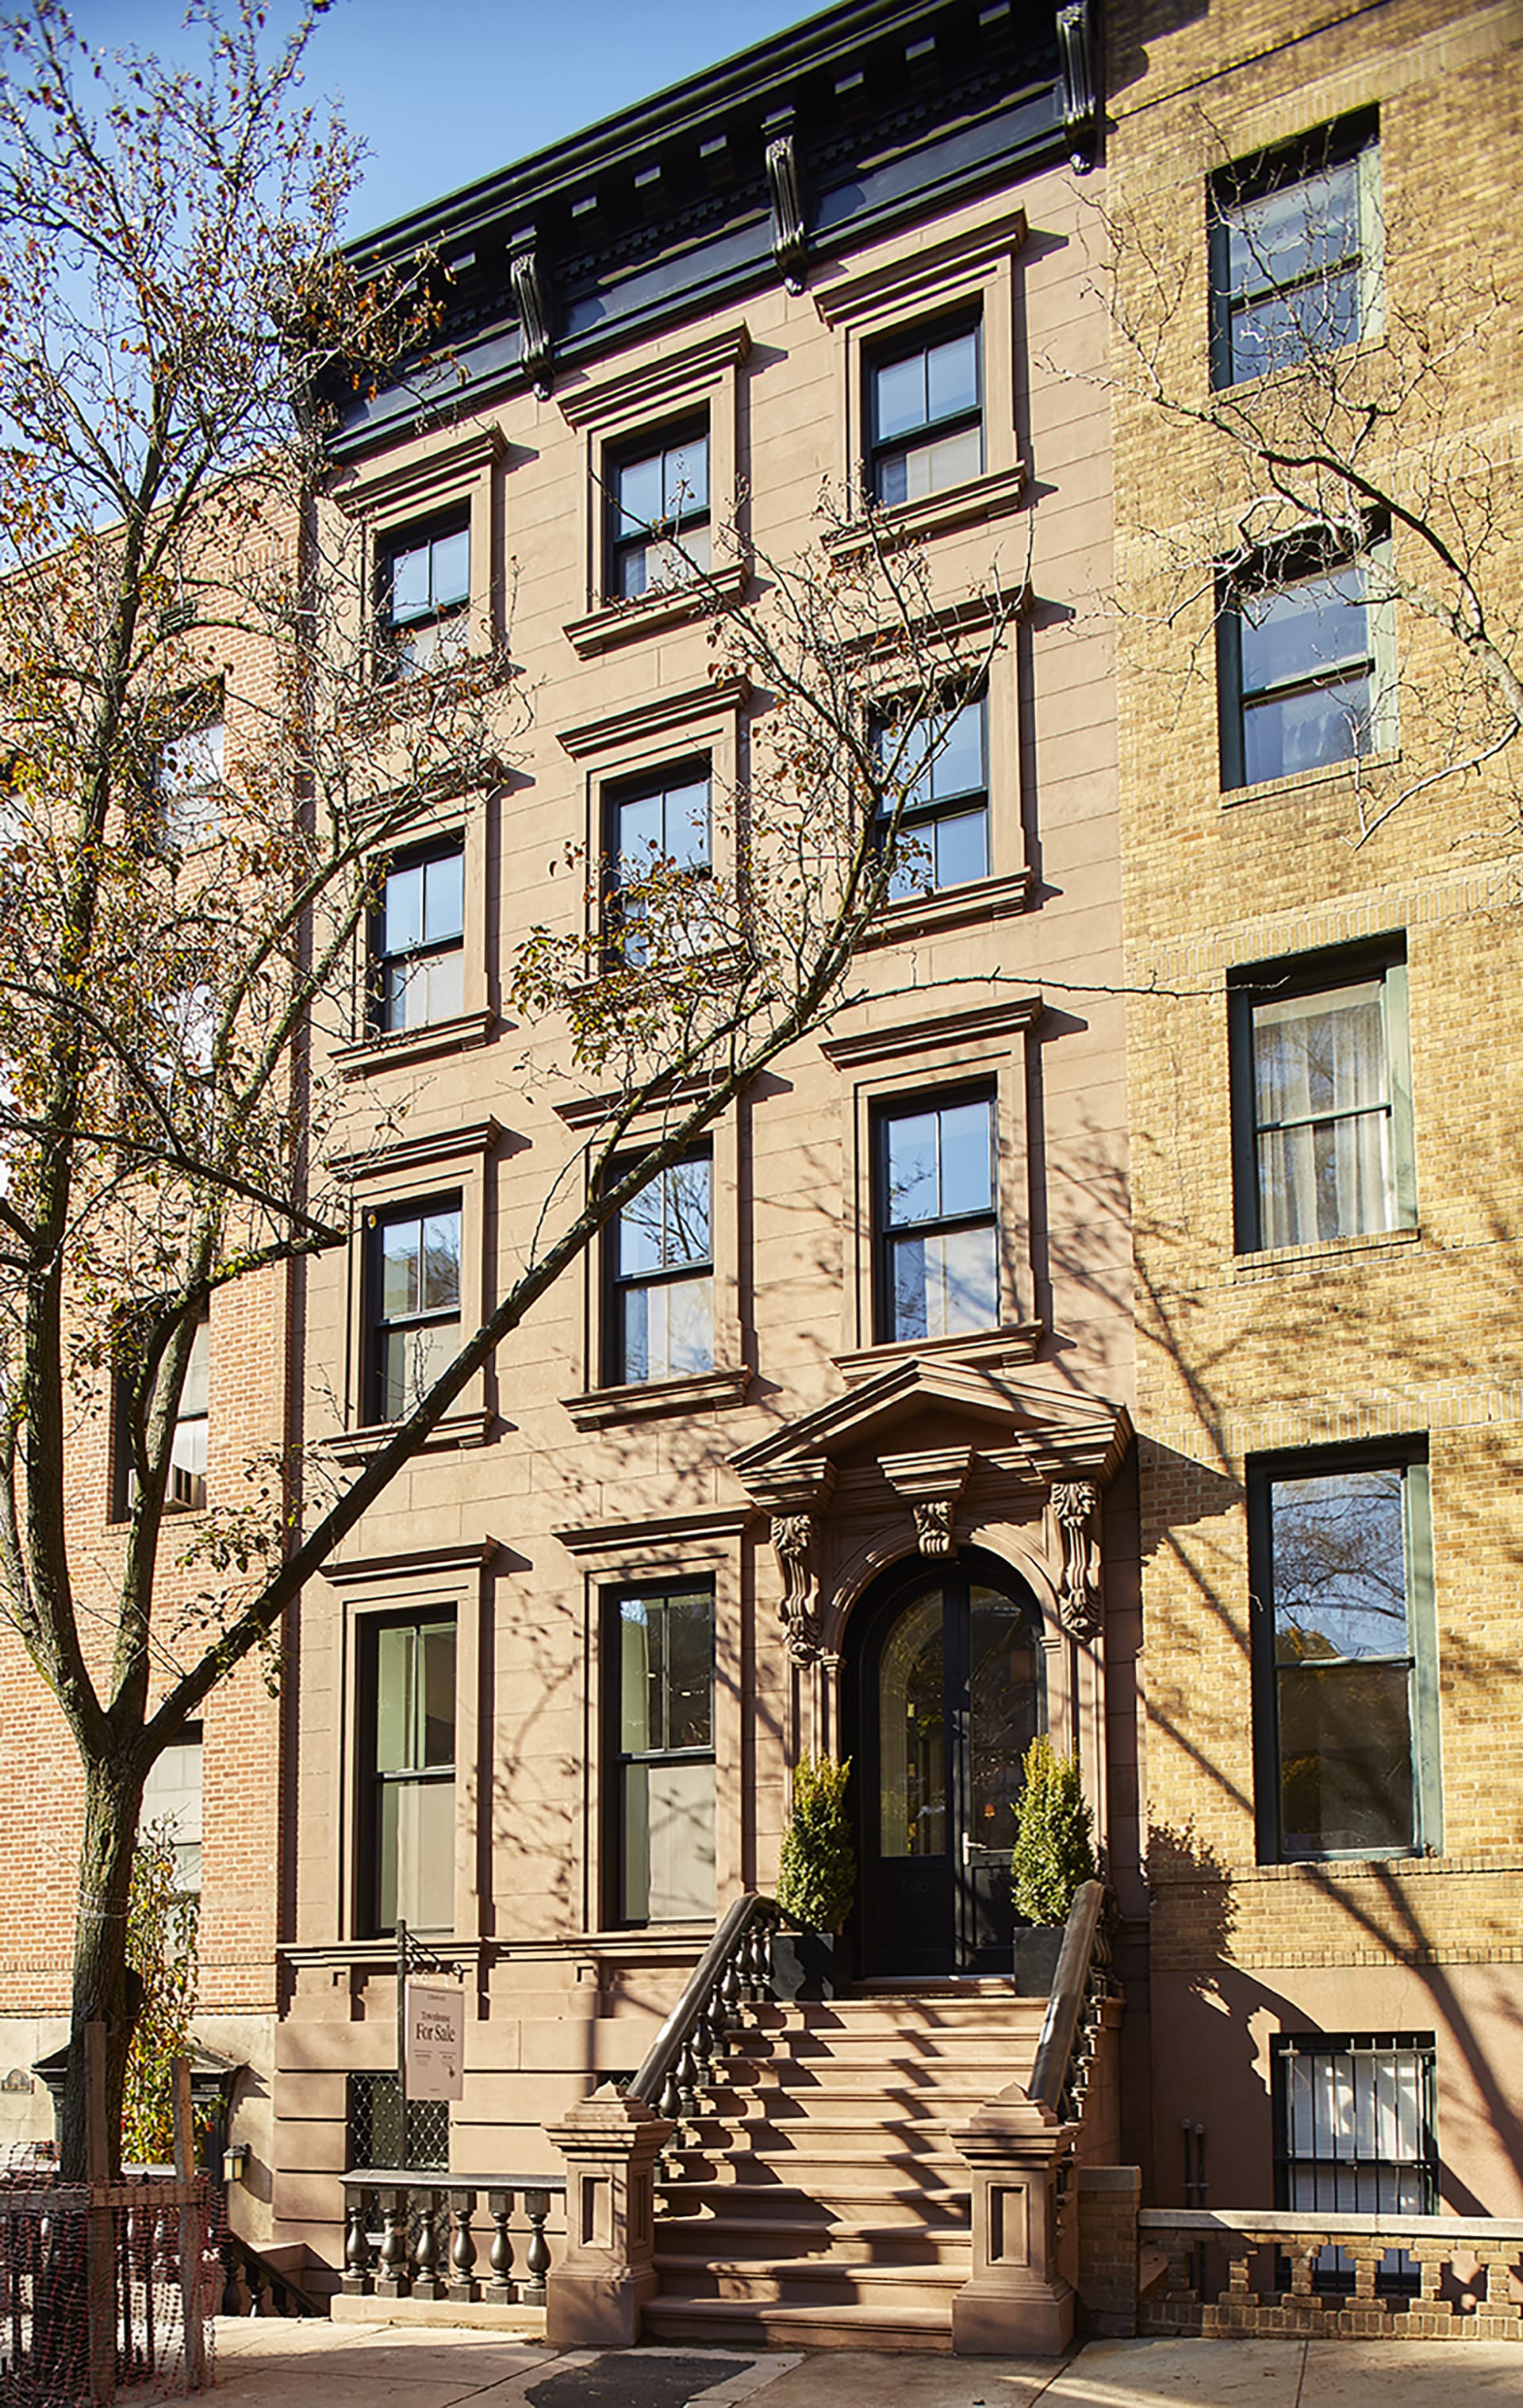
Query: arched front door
[(947, 1697)]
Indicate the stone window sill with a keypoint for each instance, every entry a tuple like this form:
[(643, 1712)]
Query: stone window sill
[(406, 1045), (988, 1350), (1331, 773), (973, 504), (455, 1430), (703, 1392), (625, 623), (1275, 1260), (956, 907)]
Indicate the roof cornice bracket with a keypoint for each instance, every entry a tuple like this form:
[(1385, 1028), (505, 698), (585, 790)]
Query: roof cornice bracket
[(1079, 83), (790, 237), (537, 352)]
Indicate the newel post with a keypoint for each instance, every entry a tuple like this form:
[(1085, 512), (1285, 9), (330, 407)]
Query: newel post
[(1017, 2301), (594, 2295)]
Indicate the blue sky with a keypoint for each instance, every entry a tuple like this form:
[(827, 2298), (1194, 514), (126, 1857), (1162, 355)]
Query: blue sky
[(445, 91)]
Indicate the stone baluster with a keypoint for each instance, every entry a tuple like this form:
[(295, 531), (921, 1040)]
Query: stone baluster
[(463, 2283), (428, 2281), (537, 2208), (499, 2288), (393, 2281), (1302, 2267), (671, 2097), (703, 2045), (358, 2256)]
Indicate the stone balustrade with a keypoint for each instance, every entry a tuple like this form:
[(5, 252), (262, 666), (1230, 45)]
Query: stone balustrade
[(441, 2237)]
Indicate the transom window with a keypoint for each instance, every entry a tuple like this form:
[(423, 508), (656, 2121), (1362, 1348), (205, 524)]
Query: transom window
[(1343, 1577), (424, 580), (415, 1285), (1295, 253), (1304, 676), (941, 767), (660, 1251), (409, 1708), (925, 411), (663, 1683), (658, 512), (418, 939), (1324, 1141), (936, 1221)]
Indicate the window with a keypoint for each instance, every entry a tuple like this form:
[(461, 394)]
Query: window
[(408, 1718), (663, 1681), (424, 589), (941, 766), (1295, 241), (664, 819), (1322, 1100), (925, 411), (1304, 668), (172, 1799), (1354, 2123), (658, 512), (417, 939), (661, 1316), (1341, 1570), (414, 1269), (189, 767), (935, 1219), (185, 1489)]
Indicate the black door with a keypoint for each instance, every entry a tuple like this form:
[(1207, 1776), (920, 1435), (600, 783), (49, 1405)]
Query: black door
[(948, 1698)]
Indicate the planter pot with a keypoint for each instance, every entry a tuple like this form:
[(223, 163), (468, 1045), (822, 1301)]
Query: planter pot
[(1038, 1946), (807, 1965)]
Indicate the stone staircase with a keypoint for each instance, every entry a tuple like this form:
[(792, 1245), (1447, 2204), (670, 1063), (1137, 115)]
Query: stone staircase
[(814, 2196)]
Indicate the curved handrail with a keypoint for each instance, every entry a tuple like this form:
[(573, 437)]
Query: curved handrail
[(1063, 2022), (730, 1968)]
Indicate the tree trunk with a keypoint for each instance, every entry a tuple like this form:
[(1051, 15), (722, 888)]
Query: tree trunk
[(106, 1987)]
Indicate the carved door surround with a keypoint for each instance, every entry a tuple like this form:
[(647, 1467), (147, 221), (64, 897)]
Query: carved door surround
[(928, 1456)]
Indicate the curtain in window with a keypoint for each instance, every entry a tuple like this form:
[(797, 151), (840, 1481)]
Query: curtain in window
[(1322, 1099)]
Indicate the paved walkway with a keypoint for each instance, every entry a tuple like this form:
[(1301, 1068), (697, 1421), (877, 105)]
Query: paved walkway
[(304, 2363)]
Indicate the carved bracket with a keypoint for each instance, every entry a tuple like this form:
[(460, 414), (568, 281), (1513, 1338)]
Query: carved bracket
[(1078, 84), (790, 239), (537, 349), (931, 1482), (793, 1537), (1076, 1512)]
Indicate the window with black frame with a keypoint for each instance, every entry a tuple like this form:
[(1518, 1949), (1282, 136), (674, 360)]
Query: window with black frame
[(1346, 1702), (659, 1256), (1354, 2134), (413, 1272), (1295, 252), (423, 597), (656, 827), (934, 1218), (417, 939), (407, 1712), (659, 531), (924, 410), (1305, 675), (937, 773), (185, 1488), (660, 1658)]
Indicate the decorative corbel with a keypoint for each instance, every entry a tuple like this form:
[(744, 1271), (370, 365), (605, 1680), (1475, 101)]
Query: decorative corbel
[(1075, 1509), (793, 1537), (536, 347), (790, 241), (1079, 83), (930, 1482)]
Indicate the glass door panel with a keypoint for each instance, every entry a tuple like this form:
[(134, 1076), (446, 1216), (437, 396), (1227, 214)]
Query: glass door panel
[(912, 1723)]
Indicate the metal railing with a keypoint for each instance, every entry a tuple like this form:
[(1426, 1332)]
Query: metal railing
[(420, 2236), (735, 1971), (1069, 2029), (1410, 2278)]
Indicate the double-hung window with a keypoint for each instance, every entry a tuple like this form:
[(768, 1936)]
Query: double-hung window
[(1322, 1103), (655, 828), (936, 1218), (424, 597), (407, 1704), (417, 939), (925, 411), (936, 773), (661, 1277), (190, 767), (1295, 252), (172, 1801), (1346, 1684), (185, 1489), (662, 1680), (1353, 2123), (658, 512), (1304, 672), (414, 1272)]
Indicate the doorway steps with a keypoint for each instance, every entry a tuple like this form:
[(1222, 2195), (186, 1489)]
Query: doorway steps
[(814, 2197)]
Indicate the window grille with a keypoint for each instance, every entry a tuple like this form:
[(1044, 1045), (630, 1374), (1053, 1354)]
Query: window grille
[(375, 2127)]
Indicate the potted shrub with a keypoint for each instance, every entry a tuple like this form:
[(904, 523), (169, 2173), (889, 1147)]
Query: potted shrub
[(1054, 1854), (816, 1876)]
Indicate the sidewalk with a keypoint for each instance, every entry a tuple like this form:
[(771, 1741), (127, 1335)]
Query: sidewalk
[(304, 2363)]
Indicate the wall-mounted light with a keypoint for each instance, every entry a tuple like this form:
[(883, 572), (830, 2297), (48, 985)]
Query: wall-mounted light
[(236, 2162)]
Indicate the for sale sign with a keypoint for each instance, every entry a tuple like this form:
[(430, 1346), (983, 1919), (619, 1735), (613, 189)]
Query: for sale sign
[(435, 2042)]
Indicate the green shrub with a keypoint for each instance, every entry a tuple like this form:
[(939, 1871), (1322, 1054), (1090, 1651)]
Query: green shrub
[(818, 1870), (1054, 1852), (162, 1950)]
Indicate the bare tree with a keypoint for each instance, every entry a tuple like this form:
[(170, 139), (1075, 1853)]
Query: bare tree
[(178, 924)]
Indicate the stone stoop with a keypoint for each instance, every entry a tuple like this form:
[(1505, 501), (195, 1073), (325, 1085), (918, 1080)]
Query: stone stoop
[(815, 2196)]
